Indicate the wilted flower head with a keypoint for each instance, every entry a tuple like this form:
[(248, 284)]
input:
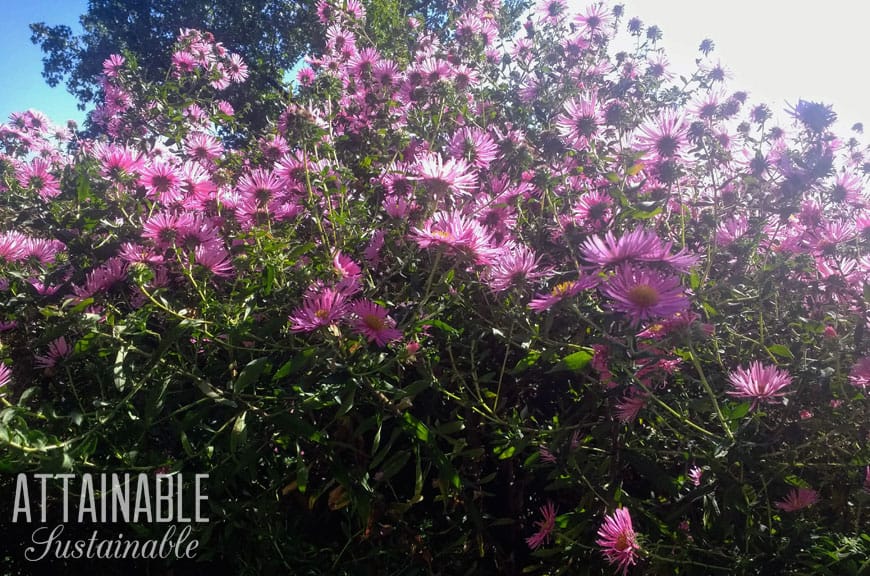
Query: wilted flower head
[(545, 527)]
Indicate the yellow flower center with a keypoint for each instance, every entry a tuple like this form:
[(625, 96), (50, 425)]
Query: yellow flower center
[(622, 543), (644, 296), (374, 322), (562, 288)]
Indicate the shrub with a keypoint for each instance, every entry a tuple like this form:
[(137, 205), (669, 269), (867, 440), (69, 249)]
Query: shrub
[(502, 305)]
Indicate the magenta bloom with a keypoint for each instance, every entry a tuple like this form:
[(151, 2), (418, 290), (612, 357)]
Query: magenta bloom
[(12, 246), (5, 374), (113, 65), (579, 124), (459, 234), (638, 245), (322, 308), (545, 527), (373, 322), (631, 404), (439, 175), (561, 291), (644, 294), (58, 349), (162, 182), (474, 145), (695, 475), (759, 383), (860, 374), (664, 137), (214, 258), (514, 266), (798, 499), (618, 540), (36, 177)]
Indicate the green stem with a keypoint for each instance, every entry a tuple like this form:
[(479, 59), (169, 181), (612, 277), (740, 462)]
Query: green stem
[(710, 392)]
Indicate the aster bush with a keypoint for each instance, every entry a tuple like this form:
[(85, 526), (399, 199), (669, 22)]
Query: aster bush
[(500, 303)]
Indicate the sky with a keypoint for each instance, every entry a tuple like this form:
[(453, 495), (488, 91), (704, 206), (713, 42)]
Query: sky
[(777, 50), (22, 86)]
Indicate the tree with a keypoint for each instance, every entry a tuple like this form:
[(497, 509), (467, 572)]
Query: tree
[(271, 35)]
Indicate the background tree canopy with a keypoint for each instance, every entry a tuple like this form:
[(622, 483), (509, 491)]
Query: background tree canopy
[(271, 36)]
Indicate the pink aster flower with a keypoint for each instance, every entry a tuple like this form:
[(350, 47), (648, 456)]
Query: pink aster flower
[(580, 122), (618, 540), (203, 147), (759, 383), (320, 308), (561, 291), (628, 408), (12, 246), (119, 163), (595, 20), (161, 182), (214, 258), (439, 175), (798, 499), (372, 253), (593, 209), (373, 322), (515, 265), (102, 278), (664, 137), (44, 251), (236, 69), (58, 349), (460, 235), (860, 374), (639, 245), (345, 267), (545, 527), (35, 176), (695, 475), (644, 294), (112, 65), (474, 145), (5, 374)]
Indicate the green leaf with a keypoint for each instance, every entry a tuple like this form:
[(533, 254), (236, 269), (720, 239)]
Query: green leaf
[(781, 351), (250, 374), (413, 425), (118, 369), (526, 362), (239, 435), (444, 326), (738, 411), (347, 400), (574, 362), (83, 188)]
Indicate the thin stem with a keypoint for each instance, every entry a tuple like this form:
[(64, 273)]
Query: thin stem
[(710, 392)]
